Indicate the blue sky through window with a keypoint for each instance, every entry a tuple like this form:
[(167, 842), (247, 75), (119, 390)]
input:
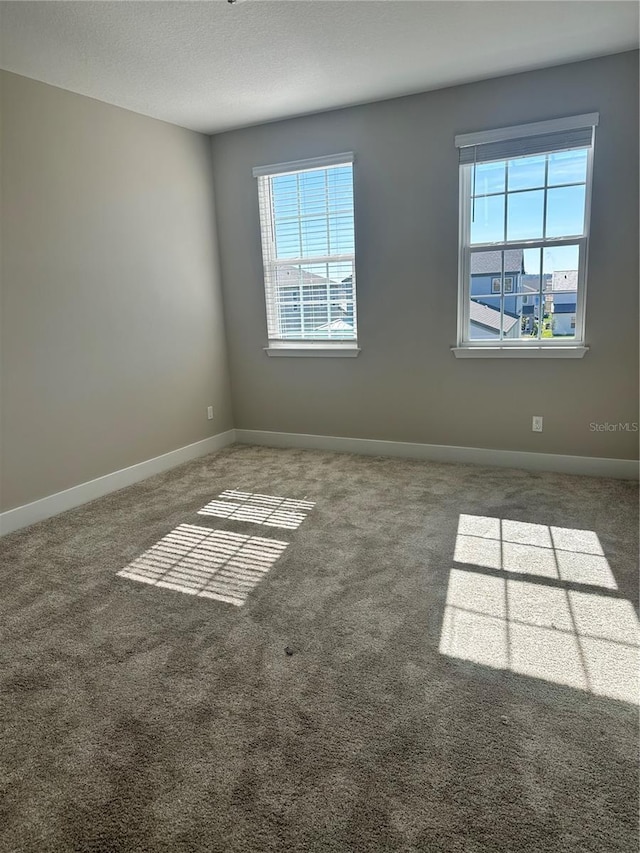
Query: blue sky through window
[(313, 213), (553, 258), (520, 184)]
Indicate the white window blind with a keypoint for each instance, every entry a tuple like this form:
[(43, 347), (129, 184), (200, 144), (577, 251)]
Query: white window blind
[(308, 248)]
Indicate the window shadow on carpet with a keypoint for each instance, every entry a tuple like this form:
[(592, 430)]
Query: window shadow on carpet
[(540, 601), (216, 564), (269, 510)]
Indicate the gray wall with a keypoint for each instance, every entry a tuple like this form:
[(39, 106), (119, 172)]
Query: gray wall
[(406, 385), (112, 329)]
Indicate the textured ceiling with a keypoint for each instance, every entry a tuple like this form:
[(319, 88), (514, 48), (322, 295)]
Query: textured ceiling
[(212, 66)]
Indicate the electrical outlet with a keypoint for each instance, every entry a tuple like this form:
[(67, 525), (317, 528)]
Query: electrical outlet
[(210, 413), (536, 426)]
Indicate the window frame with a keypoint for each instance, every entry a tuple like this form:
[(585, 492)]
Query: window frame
[(520, 347), (301, 347)]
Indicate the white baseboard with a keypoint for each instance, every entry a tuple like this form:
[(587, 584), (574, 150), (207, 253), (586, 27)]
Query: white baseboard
[(22, 516), (623, 469)]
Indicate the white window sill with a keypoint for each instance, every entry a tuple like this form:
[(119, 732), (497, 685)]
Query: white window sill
[(312, 351), (520, 352)]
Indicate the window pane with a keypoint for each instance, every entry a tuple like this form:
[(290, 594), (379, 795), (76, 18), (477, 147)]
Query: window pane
[(340, 190), (484, 318), (284, 192), (341, 235), (567, 167), (287, 280), (316, 292), (340, 272), (289, 297), (342, 314), (560, 267), (524, 215), (315, 317), (521, 316), (312, 192), (487, 219), (288, 301), (287, 239), (530, 279), (532, 264), (560, 258), (290, 327), (526, 173), (316, 301), (565, 211), (563, 314), (314, 273), (485, 273), (315, 238), (489, 178)]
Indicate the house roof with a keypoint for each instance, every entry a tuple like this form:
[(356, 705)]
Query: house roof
[(564, 280), (484, 315), (338, 325), (490, 263), (295, 275), (530, 283)]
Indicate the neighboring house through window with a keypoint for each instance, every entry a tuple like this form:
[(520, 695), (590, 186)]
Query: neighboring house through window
[(308, 249), (524, 228)]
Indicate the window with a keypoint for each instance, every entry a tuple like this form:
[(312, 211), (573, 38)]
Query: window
[(308, 249), (524, 229)]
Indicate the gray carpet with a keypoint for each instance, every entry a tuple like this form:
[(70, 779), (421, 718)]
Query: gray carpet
[(413, 712)]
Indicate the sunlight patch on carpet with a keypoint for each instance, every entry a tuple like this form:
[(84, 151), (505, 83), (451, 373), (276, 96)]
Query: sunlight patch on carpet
[(540, 625), (534, 549), (207, 563), (269, 510)]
